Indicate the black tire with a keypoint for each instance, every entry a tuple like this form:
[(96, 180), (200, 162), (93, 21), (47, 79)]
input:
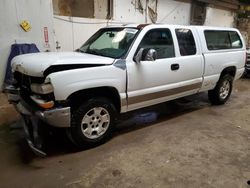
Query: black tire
[(216, 95), (78, 133)]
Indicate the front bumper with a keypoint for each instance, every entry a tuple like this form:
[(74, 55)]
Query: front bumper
[(56, 117), (32, 124), (33, 135)]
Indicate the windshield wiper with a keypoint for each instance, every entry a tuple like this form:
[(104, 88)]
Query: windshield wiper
[(92, 51), (95, 52)]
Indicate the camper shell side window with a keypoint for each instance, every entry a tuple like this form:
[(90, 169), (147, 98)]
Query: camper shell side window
[(221, 40)]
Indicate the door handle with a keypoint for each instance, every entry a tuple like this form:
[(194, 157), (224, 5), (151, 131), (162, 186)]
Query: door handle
[(175, 66)]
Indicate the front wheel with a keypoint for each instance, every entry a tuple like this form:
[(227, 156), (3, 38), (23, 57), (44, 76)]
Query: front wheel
[(92, 123), (221, 93)]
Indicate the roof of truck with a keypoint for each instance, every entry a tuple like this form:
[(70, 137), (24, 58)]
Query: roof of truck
[(140, 26)]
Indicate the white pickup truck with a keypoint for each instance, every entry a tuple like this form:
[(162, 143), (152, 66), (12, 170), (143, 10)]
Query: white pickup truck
[(120, 69)]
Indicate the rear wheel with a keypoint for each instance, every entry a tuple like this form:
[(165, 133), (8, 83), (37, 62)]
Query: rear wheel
[(221, 93), (93, 122)]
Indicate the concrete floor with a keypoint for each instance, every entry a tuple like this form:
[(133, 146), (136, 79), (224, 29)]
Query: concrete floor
[(7, 113), (191, 144)]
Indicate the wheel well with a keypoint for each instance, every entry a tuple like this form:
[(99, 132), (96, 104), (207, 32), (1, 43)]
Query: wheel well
[(77, 98), (229, 70)]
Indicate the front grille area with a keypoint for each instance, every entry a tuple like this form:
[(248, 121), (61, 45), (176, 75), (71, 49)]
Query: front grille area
[(24, 81), (248, 58)]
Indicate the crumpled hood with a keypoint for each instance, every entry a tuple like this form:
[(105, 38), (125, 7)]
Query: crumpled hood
[(36, 63)]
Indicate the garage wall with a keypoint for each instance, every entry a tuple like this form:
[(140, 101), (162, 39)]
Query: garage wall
[(38, 13), (169, 11), (72, 32), (219, 17)]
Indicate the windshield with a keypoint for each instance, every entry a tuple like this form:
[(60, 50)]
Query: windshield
[(110, 42)]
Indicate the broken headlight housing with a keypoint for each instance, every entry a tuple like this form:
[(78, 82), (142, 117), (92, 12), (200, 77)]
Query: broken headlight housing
[(44, 88)]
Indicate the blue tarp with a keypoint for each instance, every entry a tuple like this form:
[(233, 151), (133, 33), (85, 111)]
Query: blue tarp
[(18, 49)]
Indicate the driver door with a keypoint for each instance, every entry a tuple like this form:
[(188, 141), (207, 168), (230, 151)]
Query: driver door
[(152, 82)]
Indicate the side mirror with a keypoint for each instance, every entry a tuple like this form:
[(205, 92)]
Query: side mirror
[(147, 54)]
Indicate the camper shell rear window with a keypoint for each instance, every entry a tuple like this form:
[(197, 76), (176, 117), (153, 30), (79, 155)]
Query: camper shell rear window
[(221, 40)]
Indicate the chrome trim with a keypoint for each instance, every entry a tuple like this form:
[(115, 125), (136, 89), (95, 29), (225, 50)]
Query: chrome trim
[(32, 146), (22, 110), (13, 98), (11, 89), (247, 66), (12, 93), (59, 117), (36, 150)]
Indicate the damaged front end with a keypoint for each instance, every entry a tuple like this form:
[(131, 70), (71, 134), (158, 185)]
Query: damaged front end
[(33, 98)]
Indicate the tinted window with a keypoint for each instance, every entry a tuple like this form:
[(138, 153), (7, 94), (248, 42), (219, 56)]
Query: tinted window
[(235, 40), (160, 40), (218, 40), (186, 42)]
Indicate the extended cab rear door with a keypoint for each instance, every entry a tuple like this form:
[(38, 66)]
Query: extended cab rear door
[(176, 72)]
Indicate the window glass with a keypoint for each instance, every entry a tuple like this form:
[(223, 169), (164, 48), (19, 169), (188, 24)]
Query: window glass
[(110, 42), (186, 42), (160, 40), (235, 40), (218, 40)]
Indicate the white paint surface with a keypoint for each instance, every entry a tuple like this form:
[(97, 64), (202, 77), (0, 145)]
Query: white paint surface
[(37, 12)]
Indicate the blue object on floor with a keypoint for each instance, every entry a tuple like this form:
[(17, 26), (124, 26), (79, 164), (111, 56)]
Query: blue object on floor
[(17, 49), (145, 118)]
